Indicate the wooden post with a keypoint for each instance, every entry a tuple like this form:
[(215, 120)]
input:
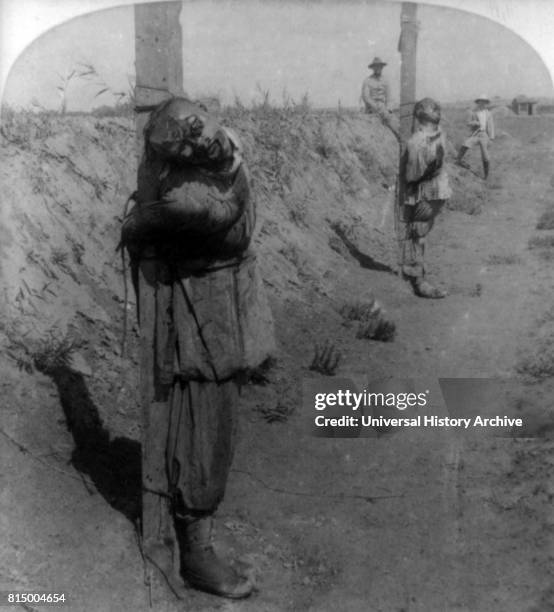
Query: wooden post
[(407, 46), (158, 54), (408, 65), (159, 76)]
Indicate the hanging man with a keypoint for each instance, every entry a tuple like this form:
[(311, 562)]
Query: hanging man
[(426, 191), (481, 124), (189, 239)]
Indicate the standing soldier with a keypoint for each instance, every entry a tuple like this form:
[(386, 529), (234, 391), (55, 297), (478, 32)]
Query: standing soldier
[(189, 236), (426, 191), (375, 89), (376, 96), (481, 124)]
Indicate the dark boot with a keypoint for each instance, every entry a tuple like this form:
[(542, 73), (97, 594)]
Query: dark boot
[(425, 290), (200, 565), (486, 168)]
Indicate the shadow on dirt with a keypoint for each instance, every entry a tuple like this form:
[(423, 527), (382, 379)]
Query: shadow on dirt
[(113, 465), (365, 261)]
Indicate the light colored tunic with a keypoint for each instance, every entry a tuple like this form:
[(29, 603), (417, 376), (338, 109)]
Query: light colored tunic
[(375, 94)]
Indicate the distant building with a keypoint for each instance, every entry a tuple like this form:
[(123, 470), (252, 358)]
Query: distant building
[(522, 105)]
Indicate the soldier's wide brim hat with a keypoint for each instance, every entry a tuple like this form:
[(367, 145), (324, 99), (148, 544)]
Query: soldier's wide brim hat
[(482, 98), (377, 61)]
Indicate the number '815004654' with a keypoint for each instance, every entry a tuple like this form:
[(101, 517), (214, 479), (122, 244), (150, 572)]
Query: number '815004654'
[(21, 597)]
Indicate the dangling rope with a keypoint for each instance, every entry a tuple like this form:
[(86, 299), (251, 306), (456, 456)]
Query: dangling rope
[(121, 247)]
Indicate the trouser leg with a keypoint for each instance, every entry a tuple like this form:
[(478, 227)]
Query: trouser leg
[(483, 144), (200, 443), (200, 450), (420, 220), (462, 152)]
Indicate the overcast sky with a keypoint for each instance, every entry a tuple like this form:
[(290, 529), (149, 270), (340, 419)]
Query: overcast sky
[(239, 47)]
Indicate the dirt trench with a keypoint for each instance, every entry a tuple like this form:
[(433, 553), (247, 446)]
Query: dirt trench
[(398, 522)]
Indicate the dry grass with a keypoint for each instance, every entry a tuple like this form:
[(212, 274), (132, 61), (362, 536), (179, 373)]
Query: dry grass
[(546, 220), (508, 259), (541, 242), (53, 352), (373, 322), (326, 359), (543, 246), (538, 365), (280, 413), (59, 257)]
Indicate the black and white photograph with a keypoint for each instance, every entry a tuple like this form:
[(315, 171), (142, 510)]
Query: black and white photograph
[(277, 306)]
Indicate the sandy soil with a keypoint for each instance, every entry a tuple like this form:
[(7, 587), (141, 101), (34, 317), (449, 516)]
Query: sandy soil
[(400, 521)]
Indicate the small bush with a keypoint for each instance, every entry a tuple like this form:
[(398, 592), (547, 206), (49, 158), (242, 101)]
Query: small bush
[(59, 257), (546, 221), (373, 321), (378, 329), (538, 365), (543, 246), (360, 311), (53, 353), (275, 414), (504, 260), (326, 359), (541, 242)]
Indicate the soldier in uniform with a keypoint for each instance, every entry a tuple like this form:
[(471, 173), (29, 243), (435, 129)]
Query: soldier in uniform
[(376, 96), (481, 124), (426, 191), (375, 89), (189, 238)]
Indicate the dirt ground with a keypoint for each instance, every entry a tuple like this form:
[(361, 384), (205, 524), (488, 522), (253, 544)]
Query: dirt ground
[(408, 521)]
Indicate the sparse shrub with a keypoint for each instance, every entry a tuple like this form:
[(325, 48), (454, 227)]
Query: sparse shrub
[(544, 247), (91, 222), (358, 311), (39, 182), (541, 242), (321, 144), (538, 365), (546, 255), (326, 359), (32, 257), (276, 414), (504, 260), (298, 209), (379, 329), (373, 321), (53, 353), (24, 128), (546, 221), (291, 253), (58, 257)]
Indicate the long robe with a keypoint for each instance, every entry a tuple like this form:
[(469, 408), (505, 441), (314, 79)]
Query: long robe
[(212, 322)]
